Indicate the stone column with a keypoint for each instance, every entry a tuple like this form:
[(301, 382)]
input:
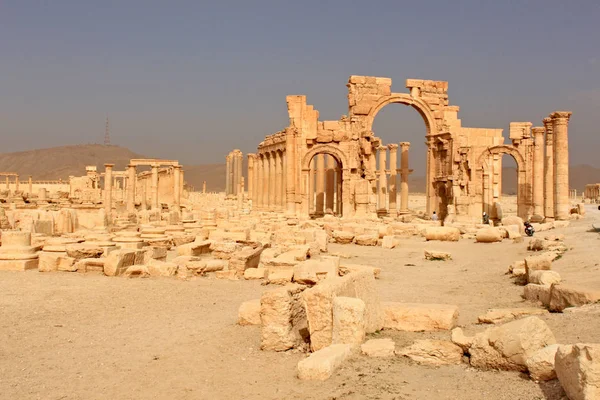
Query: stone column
[(372, 160), (144, 202), (272, 177), (240, 169), (7, 182), (282, 189), (260, 184), (382, 179), (330, 185), (236, 177), (16, 183), (228, 175), (311, 187), (240, 196), (278, 181), (181, 181), (251, 173), (338, 192), (131, 182), (560, 125), (30, 185), (320, 184), (538, 170), (549, 171), (177, 185), (393, 177), (404, 172), (290, 170), (154, 187), (204, 187), (108, 168)]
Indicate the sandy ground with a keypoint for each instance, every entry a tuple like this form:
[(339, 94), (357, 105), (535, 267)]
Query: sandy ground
[(74, 336)]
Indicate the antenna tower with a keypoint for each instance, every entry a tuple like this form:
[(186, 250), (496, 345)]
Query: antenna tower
[(107, 132)]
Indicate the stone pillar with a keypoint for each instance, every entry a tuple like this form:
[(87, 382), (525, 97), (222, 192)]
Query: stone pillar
[(204, 187), (131, 182), (282, 188), (538, 170), (338, 192), (260, 184), (7, 182), (278, 181), (177, 185), (320, 204), (404, 172), (181, 181), (144, 204), (290, 170), (228, 175), (16, 183), (30, 185), (272, 176), (251, 173), (393, 177), (549, 171), (311, 187), (236, 177), (240, 196), (560, 125), (240, 169), (382, 206), (108, 168), (154, 187), (330, 185), (372, 160)]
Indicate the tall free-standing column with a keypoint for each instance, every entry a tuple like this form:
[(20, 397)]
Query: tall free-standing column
[(236, 177), (330, 185), (108, 189), (131, 182), (320, 184), (278, 180), (549, 171), (30, 188), (538, 170), (282, 189), (560, 124), (260, 184), (290, 179), (393, 177), (7, 183), (404, 172), (240, 170), (228, 174), (154, 187), (382, 178), (251, 174), (16, 183), (177, 185), (271, 177)]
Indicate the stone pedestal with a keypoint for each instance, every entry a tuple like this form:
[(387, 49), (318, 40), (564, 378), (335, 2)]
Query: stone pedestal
[(16, 252)]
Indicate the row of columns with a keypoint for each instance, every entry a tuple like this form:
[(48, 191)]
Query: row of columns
[(324, 195), (387, 190), (16, 182), (233, 172), (267, 179)]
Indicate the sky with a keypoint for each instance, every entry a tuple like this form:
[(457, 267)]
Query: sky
[(192, 80)]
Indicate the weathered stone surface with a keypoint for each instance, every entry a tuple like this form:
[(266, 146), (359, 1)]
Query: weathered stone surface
[(501, 315), (255, 273), (310, 272), (378, 348), (539, 293), (563, 296), (194, 248), (389, 242), (318, 302), (488, 235), (541, 364), (343, 237), (161, 268), (443, 233), (321, 364), (66, 264), (348, 321), (513, 220), (538, 262), (459, 338), (48, 261), (283, 318), (541, 277), (229, 275), (366, 240), (414, 317), (578, 370), (433, 352), (137, 271), (434, 255), (79, 251), (279, 276), (249, 313), (508, 346), (117, 262)]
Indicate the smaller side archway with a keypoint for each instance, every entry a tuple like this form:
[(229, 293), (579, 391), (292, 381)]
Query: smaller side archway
[(490, 159)]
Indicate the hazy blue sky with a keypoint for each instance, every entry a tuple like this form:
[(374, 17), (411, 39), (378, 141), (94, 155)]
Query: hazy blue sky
[(193, 79)]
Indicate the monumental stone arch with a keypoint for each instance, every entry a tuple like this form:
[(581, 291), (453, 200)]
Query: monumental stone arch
[(464, 164)]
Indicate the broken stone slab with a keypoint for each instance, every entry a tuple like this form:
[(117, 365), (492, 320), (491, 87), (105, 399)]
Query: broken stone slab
[(343, 237), (137, 271), (279, 276), (228, 275), (442, 233), (502, 315), (249, 313), (434, 255), (366, 240), (194, 248), (578, 370), (416, 317), (541, 277), (537, 293), (318, 302), (321, 364), (563, 296), (541, 364), (310, 272), (348, 321), (283, 318), (90, 265), (389, 242), (538, 262), (255, 273), (79, 251), (488, 235), (161, 268), (378, 348), (507, 347), (224, 250), (433, 352), (245, 259), (116, 262), (346, 268), (459, 338), (66, 264)]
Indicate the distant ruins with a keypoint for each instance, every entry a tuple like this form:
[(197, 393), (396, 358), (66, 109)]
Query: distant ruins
[(313, 168)]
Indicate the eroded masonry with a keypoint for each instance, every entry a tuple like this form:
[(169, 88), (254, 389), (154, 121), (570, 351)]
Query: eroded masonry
[(313, 168)]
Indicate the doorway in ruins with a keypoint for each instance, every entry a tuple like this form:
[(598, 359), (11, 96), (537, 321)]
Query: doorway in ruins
[(324, 186), (403, 150)]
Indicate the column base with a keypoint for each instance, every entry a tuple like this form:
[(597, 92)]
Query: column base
[(18, 265)]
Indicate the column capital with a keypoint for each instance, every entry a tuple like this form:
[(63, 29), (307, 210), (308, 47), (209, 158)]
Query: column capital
[(392, 146), (538, 131), (561, 116), (382, 148), (405, 145), (109, 165)]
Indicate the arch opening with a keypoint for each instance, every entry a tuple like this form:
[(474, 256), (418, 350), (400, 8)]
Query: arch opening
[(324, 185)]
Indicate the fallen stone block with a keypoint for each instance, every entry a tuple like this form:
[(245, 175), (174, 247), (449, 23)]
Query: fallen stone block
[(224, 250), (348, 321), (255, 273), (229, 275), (195, 249), (378, 348), (414, 317), (283, 318), (343, 237), (249, 313), (442, 233), (366, 240), (538, 262), (563, 296), (433, 352), (578, 370), (508, 346), (459, 338), (502, 315), (245, 259), (488, 235), (161, 268), (48, 261), (79, 251), (348, 268), (321, 364), (541, 364), (66, 264), (116, 262), (541, 277), (310, 272), (389, 242), (279, 276), (433, 255), (137, 271)]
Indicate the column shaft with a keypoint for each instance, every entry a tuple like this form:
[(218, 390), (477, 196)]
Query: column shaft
[(382, 203), (154, 187), (330, 185), (393, 178), (320, 184), (404, 172), (549, 171), (131, 182), (290, 180), (538, 170), (108, 190), (177, 185), (560, 123)]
